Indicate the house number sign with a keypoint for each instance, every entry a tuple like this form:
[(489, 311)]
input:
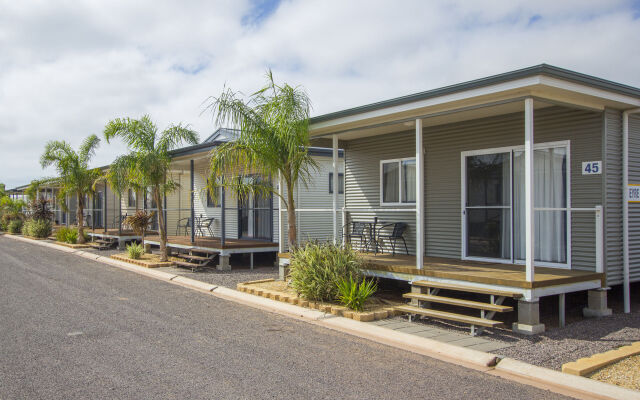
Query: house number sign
[(592, 168), (633, 193)]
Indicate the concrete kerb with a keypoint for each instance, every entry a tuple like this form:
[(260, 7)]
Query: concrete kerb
[(506, 368), (584, 387)]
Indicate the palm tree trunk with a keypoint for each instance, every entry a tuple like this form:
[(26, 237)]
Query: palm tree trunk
[(80, 217), (291, 216), (164, 255)]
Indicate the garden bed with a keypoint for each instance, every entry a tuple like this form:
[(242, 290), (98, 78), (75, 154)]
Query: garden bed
[(374, 309), (625, 373), (35, 238), (146, 260)]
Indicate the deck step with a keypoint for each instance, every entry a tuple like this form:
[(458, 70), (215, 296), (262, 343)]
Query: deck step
[(449, 316), (463, 288), (458, 302), (185, 264), (192, 257)]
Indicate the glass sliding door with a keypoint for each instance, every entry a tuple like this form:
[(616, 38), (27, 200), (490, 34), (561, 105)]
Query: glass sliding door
[(550, 205), (495, 205), (488, 206)]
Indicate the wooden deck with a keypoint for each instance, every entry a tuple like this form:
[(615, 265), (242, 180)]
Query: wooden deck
[(215, 243), (114, 232), (479, 272)]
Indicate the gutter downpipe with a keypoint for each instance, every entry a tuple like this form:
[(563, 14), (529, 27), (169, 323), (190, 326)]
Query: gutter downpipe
[(625, 207)]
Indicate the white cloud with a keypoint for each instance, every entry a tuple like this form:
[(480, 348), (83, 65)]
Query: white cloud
[(68, 67)]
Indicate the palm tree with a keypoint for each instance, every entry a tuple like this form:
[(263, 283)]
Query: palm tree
[(147, 163), (273, 141), (75, 176)]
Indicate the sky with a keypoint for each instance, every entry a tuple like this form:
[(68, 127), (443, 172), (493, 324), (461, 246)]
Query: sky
[(68, 67)]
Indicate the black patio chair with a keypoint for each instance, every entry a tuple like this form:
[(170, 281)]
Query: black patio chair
[(357, 231), (183, 223), (397, 233), (206, 224)]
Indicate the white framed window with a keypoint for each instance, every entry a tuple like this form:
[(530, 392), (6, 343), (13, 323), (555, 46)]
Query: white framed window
[(340, 183), (493, 204), (398, 181)]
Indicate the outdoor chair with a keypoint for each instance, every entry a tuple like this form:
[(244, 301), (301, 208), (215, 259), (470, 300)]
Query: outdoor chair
[(185, 224), (397, 233), (206, 224), (357, 231)]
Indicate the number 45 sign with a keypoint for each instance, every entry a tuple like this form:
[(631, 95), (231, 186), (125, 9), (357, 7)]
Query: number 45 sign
[(592, 168)]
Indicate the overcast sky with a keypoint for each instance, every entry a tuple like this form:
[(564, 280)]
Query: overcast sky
[(68, 67)]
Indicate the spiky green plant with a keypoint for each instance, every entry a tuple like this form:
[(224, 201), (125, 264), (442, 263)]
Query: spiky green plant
[(353, 294), (273, 142), (316, 269), (147, 163), (74, 175), (135, 250)]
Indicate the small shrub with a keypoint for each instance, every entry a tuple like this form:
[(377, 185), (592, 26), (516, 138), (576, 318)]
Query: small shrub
[(40, 228), (354, 295), (15, 226), (135, 251), (69, 235), (316, 269), (61, 234)]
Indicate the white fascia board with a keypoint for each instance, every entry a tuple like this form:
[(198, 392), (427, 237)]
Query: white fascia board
[(524, 83), (459, 96), (589, 91)]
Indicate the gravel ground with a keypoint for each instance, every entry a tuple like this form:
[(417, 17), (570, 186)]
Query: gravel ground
[(580, 339), (624, 373)]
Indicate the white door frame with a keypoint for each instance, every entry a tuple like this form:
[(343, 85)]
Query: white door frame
[(463, 191)]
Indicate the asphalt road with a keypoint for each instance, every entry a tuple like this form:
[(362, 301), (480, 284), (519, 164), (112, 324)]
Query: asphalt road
[(71, 328)]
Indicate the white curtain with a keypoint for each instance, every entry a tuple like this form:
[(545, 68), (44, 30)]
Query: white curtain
[(391, 182), (409, 181), (549, 192)]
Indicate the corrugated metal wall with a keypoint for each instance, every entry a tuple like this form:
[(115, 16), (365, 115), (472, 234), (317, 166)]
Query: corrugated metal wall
[(634, 208), (443, 147), (613, 195)]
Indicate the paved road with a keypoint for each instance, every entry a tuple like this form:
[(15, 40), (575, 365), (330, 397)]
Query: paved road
[(71, 328)]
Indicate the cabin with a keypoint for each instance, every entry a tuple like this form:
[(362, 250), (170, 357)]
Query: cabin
[(524, 184), (210, 228)]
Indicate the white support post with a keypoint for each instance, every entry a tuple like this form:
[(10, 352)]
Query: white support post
[(529, 189), (280, 224), (599, 241), (420, 196), (336, 175)]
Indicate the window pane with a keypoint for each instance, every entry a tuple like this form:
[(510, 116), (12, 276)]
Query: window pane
[(409, 181), (488, 180), (550, 191), (489, 232), (390, 182)]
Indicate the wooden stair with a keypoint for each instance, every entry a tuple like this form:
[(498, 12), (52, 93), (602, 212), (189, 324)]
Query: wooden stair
[(194, 259), (458, 302), (426, 301), (489, 323), (105, 244)]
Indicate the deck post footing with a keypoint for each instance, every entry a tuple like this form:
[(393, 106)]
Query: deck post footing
[(223, 263), (528, 318), (597, 304), (121, 244)]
